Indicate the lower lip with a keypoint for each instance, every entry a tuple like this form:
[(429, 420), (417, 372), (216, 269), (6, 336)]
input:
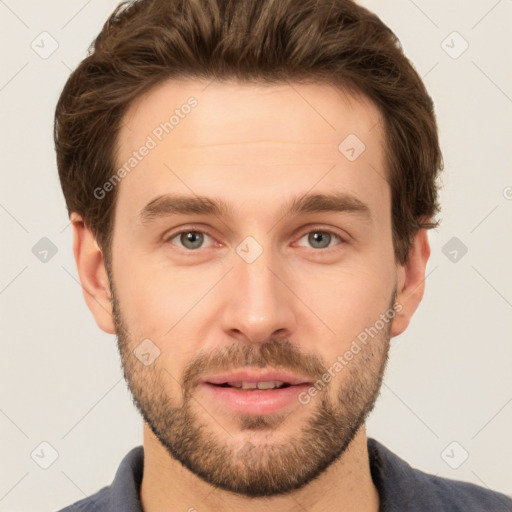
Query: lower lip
[(257, 402)]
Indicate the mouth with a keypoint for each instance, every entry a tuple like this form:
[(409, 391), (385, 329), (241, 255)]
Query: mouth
[(247, 386), (255, 393), (252, 379)]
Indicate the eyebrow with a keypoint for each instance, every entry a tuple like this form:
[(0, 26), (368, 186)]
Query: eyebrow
[(168, 205)]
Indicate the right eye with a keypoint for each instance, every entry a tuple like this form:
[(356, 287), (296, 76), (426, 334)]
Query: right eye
[(189, 239)]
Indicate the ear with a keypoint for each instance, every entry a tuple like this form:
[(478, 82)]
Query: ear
[(411, 282), (92, 273)]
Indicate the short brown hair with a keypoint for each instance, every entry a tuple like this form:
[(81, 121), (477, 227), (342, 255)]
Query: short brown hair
[(337, 42)]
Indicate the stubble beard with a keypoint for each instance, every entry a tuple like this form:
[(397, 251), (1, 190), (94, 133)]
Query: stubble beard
[(255, 468)]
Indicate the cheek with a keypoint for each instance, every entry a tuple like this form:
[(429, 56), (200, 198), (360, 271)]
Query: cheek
[(157, 306), (169, 306), (154, 294), (347, 298)]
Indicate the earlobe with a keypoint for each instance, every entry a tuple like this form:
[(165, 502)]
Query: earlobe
[(411, 282), (92, 273)]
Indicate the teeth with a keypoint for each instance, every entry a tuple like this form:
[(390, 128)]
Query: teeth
[(271, 384)]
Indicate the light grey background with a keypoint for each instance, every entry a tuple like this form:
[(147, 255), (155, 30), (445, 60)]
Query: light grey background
[(449, 378)]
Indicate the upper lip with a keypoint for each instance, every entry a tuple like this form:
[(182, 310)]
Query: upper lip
[(257, 376)]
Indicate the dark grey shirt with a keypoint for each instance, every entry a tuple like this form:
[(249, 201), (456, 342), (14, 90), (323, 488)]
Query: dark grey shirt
[(401, 488)]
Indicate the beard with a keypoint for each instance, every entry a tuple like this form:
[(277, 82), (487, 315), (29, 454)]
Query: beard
[(264, 467)]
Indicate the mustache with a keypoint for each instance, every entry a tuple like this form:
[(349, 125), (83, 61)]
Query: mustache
[(275, 353)]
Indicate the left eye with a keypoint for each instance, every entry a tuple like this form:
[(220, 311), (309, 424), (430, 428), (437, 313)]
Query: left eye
[(190, 239), (320, 239)]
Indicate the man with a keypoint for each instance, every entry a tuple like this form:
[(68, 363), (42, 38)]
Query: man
[(250, 184)]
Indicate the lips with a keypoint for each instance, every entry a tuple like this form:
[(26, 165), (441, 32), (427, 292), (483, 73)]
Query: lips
[(250, 380), (254, 392), (257, 394), (246, 385)]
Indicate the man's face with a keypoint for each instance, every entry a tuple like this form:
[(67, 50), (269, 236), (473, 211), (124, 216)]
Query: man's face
[(280, 295)]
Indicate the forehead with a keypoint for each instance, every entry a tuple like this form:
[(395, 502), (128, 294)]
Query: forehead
[(258, 140)]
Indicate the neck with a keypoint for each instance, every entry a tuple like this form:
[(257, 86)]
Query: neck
[(346, 485)]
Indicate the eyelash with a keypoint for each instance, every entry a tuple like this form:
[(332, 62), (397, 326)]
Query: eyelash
[(315, 230)]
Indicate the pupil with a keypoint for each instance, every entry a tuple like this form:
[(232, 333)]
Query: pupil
[(319, 239), (192, 239)]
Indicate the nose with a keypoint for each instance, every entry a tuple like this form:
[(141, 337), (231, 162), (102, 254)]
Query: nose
[(258, 304)]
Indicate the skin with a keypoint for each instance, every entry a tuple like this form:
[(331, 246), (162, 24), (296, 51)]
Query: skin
[(256, 147)]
